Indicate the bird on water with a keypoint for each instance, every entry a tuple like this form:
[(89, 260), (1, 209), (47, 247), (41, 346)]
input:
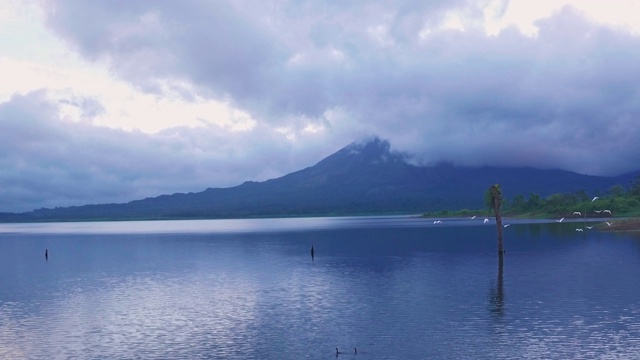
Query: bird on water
[(338, 352)]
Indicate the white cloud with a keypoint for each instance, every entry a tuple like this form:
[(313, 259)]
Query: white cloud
[(43, 61), (523, 14), (216, 93), (49, 161)]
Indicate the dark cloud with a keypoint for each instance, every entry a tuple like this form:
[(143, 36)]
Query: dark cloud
[(244, 51), (50, 162), (212, 43), (566, 98)]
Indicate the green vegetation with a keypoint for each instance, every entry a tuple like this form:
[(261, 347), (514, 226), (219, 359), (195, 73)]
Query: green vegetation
[(620, 201)]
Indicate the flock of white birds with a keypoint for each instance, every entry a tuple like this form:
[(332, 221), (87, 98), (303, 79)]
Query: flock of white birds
[(577, 213), (604, 211)]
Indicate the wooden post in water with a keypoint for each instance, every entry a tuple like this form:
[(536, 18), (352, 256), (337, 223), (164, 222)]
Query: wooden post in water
[(496, 204)]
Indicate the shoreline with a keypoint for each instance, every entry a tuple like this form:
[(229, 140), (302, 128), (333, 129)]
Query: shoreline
[(623, 225), (617, 224)]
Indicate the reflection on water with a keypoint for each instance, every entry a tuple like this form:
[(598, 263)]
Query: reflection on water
[(497, 292), (394, 287)]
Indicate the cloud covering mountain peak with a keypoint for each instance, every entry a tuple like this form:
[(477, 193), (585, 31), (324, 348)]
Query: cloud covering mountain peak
[(134, 99)]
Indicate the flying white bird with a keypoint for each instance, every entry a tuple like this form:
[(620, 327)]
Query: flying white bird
[(437, 222), (579, 230), (595, 198), (473, 217), (506, 225), (589, 227), (577, 213), (560, 220), (598, 211), (606, 211), (486, 221), (608, 223)]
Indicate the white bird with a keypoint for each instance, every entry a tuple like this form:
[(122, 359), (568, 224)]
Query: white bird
[(598, 211), (579, 230), (608, 223), (589, 227), (595, 198), (506, 225), (437, 222), (577, 213), (560, 220), (606, 211), (486, 221), (473, 217)]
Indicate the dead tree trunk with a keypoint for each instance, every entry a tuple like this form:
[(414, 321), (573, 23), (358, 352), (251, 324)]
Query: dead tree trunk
[(497, 294), (496, 205)]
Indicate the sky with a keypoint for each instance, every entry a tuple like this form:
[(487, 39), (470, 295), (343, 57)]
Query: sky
[(109, 101)]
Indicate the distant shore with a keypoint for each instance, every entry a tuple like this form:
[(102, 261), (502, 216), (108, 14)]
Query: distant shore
[(617, 224), (623, 225)]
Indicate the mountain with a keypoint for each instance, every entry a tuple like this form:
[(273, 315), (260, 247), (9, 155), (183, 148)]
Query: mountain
[(362, 178)]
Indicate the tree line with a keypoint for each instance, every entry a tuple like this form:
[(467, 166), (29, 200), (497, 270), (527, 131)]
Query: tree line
[(620, 201)]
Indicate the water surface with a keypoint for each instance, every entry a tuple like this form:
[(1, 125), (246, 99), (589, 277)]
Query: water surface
[(394, 287)]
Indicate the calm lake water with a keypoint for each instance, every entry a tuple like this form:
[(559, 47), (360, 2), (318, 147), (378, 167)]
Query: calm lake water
[(394, 287)]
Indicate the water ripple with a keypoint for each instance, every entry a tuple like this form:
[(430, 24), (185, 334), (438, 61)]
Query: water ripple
[(399, 293)]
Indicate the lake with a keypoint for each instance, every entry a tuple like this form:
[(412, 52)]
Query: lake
[(392, 287)]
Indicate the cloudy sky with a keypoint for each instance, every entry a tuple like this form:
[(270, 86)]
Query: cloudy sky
[(114, 100)]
